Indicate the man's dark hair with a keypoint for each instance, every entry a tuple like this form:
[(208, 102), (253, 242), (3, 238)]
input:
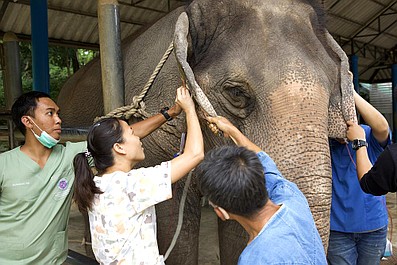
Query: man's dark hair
[(25, 105), (233, 178)]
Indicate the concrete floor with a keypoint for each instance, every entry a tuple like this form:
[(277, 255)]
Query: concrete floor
[(208, 248), (391, 202)]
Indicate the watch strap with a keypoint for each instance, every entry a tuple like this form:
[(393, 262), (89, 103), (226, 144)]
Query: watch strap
[(358, 143), (164, 111)]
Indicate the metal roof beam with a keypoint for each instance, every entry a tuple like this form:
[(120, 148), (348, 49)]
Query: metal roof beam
[(334, 4), (135, 4), (374, 74), (377, 35), (78, 12), (59, 42), (376, 65), (380, 3), (3, 9), (357, 23), (375, 51), (366, 25)]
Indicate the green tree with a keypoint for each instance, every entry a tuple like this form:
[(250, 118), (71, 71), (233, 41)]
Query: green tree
[(63, 62)]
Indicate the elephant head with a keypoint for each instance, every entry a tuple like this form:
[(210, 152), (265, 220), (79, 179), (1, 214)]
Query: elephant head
[(269, 66), (273, 69)]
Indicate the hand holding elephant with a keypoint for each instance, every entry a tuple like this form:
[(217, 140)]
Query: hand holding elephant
[(222, 124), (231, 131), (354, 131), (183, 100), (176, 109)]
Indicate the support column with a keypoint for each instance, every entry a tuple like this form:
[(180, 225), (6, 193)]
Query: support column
[(394, 99), (39, 25), (111, 55), (12, 78), (354, 69)]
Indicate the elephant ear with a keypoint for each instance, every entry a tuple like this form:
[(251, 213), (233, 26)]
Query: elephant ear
[(180, 50), (341, 107)]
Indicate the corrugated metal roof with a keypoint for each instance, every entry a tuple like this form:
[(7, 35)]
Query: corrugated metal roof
[(76, 21), (367, 28)]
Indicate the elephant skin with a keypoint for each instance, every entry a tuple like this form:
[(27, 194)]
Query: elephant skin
[(270, 67)]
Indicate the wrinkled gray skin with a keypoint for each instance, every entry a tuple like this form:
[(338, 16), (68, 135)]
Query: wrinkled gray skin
[(265, 65)]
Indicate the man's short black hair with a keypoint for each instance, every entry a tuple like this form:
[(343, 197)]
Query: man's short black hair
[(232, 177), (25, 105)]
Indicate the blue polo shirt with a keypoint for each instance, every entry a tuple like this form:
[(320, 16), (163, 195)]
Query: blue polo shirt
[(352, 210), (290, 236)]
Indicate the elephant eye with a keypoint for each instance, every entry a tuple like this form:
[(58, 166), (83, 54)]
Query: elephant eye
[(237, 96), (235, 92), (238, 101)]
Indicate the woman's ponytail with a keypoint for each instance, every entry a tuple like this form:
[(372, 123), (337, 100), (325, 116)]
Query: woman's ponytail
[(84, 187)]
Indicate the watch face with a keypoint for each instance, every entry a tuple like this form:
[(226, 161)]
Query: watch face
[(358, 143)]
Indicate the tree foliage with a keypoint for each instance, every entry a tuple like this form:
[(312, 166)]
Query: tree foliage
[(63, 62)]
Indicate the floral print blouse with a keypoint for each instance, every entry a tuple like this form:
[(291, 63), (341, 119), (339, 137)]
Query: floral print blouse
[(123, 217)]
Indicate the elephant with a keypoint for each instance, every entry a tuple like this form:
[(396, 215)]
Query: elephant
[(269, 66)]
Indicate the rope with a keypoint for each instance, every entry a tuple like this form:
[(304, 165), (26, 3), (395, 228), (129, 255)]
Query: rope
[(180, 216), (137, 107)]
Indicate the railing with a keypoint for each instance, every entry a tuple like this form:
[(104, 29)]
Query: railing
[(8, 136)]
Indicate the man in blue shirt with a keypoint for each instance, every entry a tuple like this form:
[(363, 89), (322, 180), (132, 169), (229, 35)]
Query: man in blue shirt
[(272, 210), (358, 220)]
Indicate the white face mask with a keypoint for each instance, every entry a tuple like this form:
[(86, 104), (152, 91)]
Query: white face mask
[(45, 139)]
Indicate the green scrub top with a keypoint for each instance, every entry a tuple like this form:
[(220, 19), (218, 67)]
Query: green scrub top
[(35, 205)]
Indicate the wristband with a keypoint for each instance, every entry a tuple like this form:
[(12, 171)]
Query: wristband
[(165, 113)]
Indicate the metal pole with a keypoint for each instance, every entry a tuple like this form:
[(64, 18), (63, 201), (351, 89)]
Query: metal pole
[(111, 55), (354, 69), (12, 78), (39, 22), (394, 99)]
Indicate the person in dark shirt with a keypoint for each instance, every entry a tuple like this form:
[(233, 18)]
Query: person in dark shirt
[(380, 178)]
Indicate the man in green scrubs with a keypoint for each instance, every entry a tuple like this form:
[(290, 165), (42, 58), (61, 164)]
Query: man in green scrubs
[(36, 182)]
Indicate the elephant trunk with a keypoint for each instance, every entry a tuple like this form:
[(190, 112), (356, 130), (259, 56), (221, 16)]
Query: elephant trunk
[(311, 172), (297, 139)]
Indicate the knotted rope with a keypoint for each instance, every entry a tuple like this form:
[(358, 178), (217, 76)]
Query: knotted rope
[(137, 107)]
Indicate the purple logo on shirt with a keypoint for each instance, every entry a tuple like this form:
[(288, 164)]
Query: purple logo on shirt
[(62, 184)]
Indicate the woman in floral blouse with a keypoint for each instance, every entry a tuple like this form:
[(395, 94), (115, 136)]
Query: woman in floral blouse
[(119, 199)]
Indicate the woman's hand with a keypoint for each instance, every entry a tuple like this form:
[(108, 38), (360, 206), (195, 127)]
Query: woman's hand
[(184, 100)]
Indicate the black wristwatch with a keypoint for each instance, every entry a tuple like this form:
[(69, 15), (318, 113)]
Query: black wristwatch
[(165, 113), (357, 144)]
